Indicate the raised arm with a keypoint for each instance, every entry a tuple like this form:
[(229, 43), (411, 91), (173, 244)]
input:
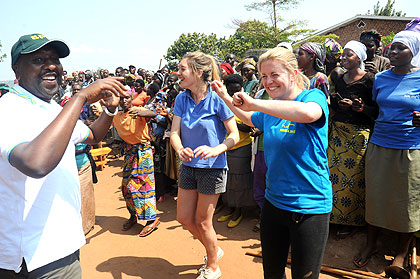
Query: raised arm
[(244, 116), (241, 104), (40, 156), (290, 110)]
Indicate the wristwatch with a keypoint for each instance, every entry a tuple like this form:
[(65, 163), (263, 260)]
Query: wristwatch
[(110, 113)]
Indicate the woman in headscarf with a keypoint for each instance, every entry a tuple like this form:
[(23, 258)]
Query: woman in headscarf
[(374, 63), (310, 59), (393, 156), (247, 69), (333, 51), (354, 112), (226, 69)]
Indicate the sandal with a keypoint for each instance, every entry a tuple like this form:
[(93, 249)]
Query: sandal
[(149, 228), (359, 264), (129, 223)]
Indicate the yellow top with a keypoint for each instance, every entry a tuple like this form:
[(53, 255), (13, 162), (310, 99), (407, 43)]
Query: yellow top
[(244, 137)]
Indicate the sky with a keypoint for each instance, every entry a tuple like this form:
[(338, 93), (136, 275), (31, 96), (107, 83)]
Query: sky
[(108, 34)]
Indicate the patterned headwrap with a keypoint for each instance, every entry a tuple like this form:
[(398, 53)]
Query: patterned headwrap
[(409, 38), (359, 49), (318, 50), (133, 77), (332, 49), (160, 77), (249, 63), (371, 35), (246, 63), (227, 67)]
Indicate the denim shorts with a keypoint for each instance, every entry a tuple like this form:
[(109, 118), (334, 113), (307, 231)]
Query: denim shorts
[(205, 181)]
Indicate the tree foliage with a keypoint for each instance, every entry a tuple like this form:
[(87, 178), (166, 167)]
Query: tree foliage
[(251, 34), (2, 56), (209, 44), (387, 10), (388, 39), (271, 7), (261, 35)]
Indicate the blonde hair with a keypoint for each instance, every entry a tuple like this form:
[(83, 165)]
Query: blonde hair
[(199, 61), (288, 60)]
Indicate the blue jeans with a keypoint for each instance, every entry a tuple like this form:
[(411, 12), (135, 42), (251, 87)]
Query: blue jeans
[(307, 235)]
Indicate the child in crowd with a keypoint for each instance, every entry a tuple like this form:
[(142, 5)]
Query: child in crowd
[(239, 179), (138, 184)]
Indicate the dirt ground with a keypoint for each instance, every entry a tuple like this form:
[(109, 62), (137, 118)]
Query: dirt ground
[(171, 252)]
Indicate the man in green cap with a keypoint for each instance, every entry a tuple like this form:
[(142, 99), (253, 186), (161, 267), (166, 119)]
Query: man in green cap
[(40, 223)]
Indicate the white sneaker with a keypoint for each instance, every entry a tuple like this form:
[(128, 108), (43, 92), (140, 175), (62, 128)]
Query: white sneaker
[(220, 254), (208, 273)]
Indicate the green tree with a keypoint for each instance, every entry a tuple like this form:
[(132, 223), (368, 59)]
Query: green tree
[(257, 34), (271, 7), (251, 34), (387, 10), (2, 56), (388, 39), (209, 44)]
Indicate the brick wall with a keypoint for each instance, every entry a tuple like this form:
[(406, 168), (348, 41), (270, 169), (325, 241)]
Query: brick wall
[(352, 31)]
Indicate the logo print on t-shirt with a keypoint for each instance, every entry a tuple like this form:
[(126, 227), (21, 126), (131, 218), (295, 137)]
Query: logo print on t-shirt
[(287, 128)]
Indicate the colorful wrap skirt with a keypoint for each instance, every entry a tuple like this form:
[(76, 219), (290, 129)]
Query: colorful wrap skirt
[(138, 184), (347, 146)]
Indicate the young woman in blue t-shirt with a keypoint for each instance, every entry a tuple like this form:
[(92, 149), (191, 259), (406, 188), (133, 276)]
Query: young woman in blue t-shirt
[(298, 196), (198, 135)]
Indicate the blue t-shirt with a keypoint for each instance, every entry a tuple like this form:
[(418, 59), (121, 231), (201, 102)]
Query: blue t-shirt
[(296, 158), (202, 124), (397, 97)]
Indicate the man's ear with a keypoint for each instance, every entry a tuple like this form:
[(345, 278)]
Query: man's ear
[(16, 70)]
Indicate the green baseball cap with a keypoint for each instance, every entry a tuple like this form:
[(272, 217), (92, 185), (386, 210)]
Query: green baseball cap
[(33, 42)]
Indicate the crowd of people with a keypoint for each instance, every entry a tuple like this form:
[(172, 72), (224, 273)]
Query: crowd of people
[(312, 137)]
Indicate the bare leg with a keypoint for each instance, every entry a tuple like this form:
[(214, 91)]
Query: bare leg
[(403, 246), (204, 219), (236, 213), (369, 249), (186, 211)]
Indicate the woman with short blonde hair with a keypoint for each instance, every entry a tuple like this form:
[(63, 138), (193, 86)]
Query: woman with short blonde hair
[(298, 195)]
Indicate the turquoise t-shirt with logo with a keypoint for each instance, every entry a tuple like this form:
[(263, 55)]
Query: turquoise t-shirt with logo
[(296, 158)]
